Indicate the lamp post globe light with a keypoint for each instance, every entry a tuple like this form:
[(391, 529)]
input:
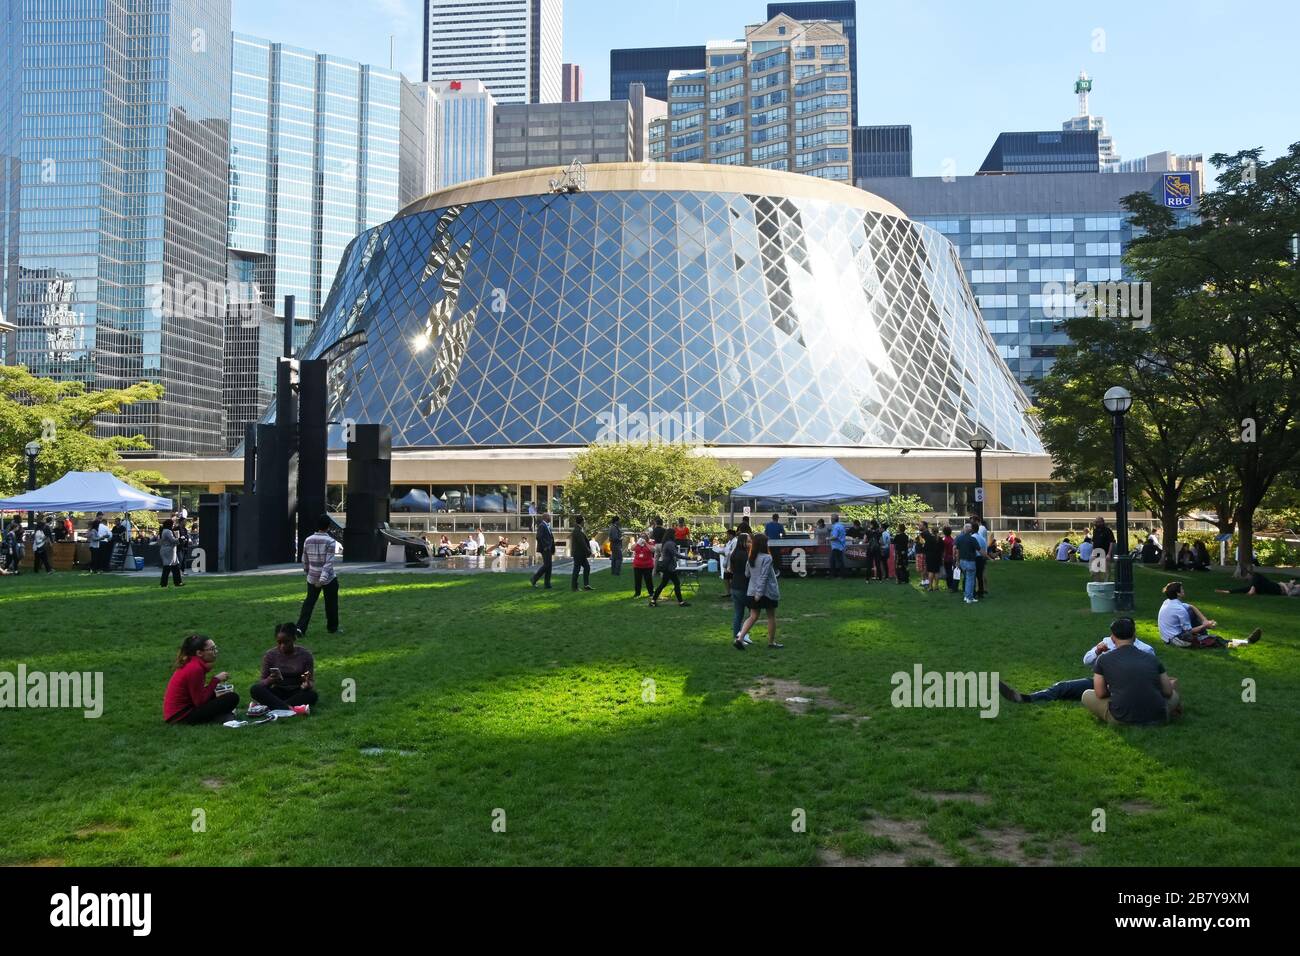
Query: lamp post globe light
[(1117, 402), (33, 451), (978, 442)]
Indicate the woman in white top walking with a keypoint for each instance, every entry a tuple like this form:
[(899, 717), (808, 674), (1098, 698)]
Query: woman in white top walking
[(763, 593)]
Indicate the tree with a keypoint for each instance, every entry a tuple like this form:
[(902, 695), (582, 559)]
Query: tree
[(1229, 291), (1167, 442), (899, 509), (642, 481), (60, 416)]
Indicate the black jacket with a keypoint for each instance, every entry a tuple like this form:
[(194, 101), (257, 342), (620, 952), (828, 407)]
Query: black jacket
[(579, 544), (545, 539)]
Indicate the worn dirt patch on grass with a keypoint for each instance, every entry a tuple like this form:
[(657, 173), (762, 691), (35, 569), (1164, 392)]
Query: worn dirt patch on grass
[(800, 699), (214, 783), (1138, 807), (911, 845), (47, 861), (952, 796), (98, 829)]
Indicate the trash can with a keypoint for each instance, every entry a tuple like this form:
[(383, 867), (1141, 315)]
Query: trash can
[(1102, 596), (139, 563)]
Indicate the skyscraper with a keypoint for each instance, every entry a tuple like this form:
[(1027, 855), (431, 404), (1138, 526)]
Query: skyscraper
[(843, 12), (1021, 238), (314, 159), (650, 66), (114, 145), (779, 99), (515, 47), (882, 151), (458, 123), (1043, 151), (1107, 158), (572, 83)]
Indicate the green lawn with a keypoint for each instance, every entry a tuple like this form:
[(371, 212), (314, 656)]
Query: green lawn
[(485, 694)]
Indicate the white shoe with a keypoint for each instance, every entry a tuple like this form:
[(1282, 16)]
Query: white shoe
[(257, 710), (747, 640)]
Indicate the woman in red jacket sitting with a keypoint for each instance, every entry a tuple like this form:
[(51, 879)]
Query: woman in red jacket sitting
[(189, 698)]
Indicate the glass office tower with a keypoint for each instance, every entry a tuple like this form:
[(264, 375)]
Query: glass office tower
[(315, 158), (114, 138), (882, 151), (650, 66), (1020, 236)]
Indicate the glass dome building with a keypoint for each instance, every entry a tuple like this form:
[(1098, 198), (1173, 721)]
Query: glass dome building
[(732, 307)]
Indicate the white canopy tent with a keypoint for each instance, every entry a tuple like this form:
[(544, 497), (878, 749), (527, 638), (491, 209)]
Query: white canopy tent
[(86, 491)]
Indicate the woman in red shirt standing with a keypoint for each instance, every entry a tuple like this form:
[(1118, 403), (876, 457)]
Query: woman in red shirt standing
[(189, 698), (643, 565)]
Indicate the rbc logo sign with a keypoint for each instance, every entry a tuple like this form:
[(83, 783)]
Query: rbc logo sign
[(1178, 190)]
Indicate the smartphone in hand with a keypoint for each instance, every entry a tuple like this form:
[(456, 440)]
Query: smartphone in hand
[(276, 675)]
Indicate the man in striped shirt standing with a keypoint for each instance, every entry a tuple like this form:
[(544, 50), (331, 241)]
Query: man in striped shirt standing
[(318, 562)]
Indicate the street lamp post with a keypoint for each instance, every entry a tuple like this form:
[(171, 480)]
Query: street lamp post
[(33, 451), (1117, 402), (978, 442)]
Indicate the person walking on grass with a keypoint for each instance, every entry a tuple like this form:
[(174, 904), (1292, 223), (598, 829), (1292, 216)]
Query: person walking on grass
[(738, 585), (762, 593), (643, 566), (668, 555), (169, 554), (318, 563), (580, 551), (545, 551)]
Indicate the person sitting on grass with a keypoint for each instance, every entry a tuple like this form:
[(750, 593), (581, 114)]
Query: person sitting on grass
[(1201, 557), (288, 676), (1261, 585), (1130, 687), (189, 698), (1065, 550), (1069, 689), (1183, 625)]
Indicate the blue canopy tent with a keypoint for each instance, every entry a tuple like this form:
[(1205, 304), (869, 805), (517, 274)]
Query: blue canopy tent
[(808, 481), (86, 491)]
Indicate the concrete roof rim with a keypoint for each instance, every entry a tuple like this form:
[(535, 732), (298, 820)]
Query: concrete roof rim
[(668, 177)]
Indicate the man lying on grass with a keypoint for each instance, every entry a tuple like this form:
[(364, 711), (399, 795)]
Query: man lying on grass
[(1069, 689), (1182, 625), (1129, 686), (1259, 584)]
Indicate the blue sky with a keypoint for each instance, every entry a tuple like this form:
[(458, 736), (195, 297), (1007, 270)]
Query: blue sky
[(1199, 76)]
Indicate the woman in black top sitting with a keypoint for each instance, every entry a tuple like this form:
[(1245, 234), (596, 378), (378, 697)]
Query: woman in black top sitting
[(1201, 557), (288, 676)]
